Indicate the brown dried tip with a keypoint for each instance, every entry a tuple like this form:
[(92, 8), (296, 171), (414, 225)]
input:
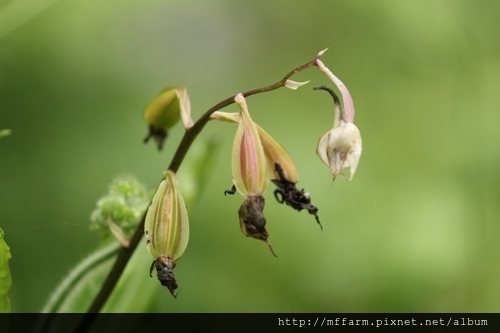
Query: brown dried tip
[(253, 221), (158, 134), (288, 193), (164, 271)]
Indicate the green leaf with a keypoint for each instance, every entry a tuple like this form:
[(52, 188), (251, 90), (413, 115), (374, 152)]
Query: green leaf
[(5, 278)]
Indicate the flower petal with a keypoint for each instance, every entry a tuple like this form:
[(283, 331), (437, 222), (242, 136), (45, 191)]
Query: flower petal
[(276, 154), (321, 151)]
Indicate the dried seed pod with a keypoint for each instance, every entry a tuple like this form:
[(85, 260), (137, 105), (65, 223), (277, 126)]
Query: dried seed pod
[(167, 230)]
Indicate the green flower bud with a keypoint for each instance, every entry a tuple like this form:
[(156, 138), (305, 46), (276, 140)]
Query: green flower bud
[(167, 230), (165, 110)]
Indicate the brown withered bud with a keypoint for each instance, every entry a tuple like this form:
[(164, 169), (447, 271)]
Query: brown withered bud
[(253, 221), (164, 270)]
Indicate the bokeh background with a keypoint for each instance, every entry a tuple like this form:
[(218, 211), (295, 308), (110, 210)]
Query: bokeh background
[(416, 230)]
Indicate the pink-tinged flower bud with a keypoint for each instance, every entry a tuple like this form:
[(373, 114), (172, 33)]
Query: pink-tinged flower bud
[(248, 159), (165, 110), (167, 230), (250, 174)]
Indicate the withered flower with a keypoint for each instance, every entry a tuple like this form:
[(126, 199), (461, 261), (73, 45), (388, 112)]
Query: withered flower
[(250, 175)]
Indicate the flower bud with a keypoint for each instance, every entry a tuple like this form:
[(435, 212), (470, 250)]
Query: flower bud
[(167, 230), (248, 159), (165, 110)]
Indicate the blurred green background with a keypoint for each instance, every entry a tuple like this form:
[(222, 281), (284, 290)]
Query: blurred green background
[(415, 231)]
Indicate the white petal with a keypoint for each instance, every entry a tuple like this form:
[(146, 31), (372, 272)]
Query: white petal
[(321, 151)]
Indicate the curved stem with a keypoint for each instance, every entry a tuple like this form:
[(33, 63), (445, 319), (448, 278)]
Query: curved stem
[(189, 136), (193, 132)]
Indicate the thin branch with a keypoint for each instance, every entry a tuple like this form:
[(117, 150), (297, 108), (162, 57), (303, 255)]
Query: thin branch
[(193, 132), (189, 137)]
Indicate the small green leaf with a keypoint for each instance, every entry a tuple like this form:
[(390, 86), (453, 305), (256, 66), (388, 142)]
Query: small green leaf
[(5, 278)]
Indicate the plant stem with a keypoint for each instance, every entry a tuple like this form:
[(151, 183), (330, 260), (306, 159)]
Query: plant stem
[(193, 132), (189, 136)]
